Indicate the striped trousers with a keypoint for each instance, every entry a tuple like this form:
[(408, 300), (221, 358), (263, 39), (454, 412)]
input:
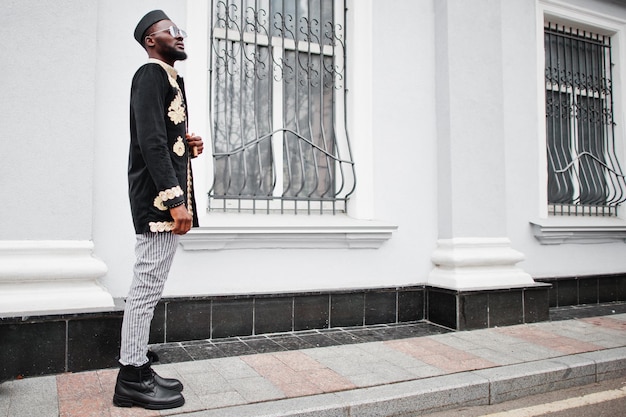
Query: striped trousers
[(154, 255)]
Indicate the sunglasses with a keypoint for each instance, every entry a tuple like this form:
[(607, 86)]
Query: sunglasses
[(174, 31)]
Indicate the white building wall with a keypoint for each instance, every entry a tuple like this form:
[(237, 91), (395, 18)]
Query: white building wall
[(47, 112), (47, 135), (65, 144)]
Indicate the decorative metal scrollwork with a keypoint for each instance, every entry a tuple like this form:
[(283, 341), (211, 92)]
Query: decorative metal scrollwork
[(584, 173), (277, 70)]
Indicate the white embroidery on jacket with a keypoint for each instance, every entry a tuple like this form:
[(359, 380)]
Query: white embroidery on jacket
[(158, 227), (171, 193)]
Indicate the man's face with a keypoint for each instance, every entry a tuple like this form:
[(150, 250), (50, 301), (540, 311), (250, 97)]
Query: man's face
[(165, 45)]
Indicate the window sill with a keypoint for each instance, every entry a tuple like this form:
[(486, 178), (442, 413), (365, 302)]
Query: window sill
[(221, 231), (585, 230)]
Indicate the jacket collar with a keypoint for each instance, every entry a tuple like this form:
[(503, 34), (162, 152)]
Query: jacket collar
[(168, 68)]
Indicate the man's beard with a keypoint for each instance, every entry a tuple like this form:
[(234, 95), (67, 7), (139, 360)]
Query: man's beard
[(175, 54)]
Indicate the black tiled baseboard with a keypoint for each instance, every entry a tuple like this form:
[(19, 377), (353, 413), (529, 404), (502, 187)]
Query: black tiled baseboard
[(217, 325), (273, 315), (570, 291), (246, 315), (311, 312), (479, 309), (34, 348), (56, 344)]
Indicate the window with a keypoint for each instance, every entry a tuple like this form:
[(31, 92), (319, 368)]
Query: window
[(584, 174), (277, 74)]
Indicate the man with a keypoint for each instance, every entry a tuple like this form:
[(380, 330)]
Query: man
[(162, 204)]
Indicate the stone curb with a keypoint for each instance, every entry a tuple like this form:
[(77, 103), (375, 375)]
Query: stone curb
[(481, 387)]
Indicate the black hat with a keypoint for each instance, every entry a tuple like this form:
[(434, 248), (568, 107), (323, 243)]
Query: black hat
[(148, 20)]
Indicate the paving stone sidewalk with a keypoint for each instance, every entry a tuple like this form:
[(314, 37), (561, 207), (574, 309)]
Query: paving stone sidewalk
[(377, 378)]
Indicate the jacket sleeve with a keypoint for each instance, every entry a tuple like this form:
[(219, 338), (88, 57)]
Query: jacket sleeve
[(148, 95)]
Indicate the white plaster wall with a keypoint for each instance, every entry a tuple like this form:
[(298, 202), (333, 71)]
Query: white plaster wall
[(47, 129), (470, 118), (613, 8), (405, 132)]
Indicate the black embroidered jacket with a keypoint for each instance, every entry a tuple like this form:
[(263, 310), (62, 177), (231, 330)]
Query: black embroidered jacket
[(159, 168)]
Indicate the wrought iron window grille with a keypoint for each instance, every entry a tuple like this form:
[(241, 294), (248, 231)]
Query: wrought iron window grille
[(277, 107), (584, 173)]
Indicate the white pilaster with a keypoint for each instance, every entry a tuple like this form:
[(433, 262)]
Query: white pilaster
[(473, 250), (50, 277), (477, 263)]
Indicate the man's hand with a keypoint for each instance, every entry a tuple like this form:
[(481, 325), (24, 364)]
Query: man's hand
[(195, 143), (182, 219)]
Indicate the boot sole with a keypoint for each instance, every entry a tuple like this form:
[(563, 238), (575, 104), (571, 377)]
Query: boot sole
[(121, 401)]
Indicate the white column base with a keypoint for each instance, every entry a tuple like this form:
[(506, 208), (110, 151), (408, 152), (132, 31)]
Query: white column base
[(477, 263), (51, 277)]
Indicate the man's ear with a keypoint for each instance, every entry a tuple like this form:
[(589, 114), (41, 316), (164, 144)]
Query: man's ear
[(148, 42)]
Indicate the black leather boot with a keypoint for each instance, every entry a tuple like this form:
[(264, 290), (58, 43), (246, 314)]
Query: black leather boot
[(136, 385), (169, 383)]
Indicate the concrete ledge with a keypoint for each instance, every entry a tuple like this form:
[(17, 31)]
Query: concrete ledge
[(525, 379), (482, 387), (610, 364), (439, 393), (430, 394)]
